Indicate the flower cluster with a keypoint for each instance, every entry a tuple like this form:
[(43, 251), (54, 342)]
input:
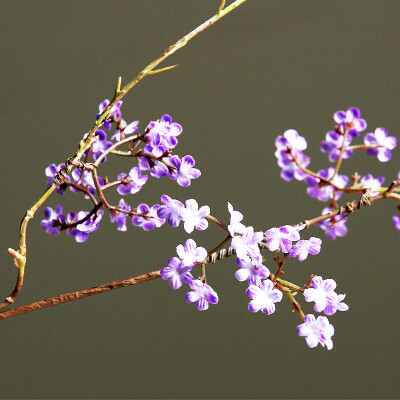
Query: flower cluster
[(159, 138), (328, 185)]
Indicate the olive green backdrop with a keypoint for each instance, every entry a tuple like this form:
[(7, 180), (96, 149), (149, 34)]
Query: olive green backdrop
[(266, 67)]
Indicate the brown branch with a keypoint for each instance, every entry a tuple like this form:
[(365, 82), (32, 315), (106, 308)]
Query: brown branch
[(64, 298)]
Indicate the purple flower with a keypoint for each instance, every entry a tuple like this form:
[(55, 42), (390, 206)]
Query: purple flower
[(135, 181), (303, 247), (383, 142), (120, 217), (202, 294), (289, 168), (246, 245), (281, 238), (334, 226), (190, 254), (164, 131), (325, 192), (99, 146), (184, 170), (316, 331), (151, 219), (81, 231), (170, 210), (85, 180), (371, 183), (252, 270), (333, 145), (157, 168), (115, 112), (323, 294), (396, 221), (127, 129), (335, 303), (50, 219), (176, 273), (193, 217), (235, 226), (350, 119), (51, 171), (264, 297), (292, 139)]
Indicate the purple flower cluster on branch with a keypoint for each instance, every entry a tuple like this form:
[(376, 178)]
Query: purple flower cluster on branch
[(265, 285)]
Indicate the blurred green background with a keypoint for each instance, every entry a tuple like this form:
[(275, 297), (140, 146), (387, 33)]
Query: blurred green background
[(266, 67)]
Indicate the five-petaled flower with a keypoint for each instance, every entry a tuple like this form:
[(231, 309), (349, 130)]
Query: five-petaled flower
[(316, 331), (264, 297), (202, 294)]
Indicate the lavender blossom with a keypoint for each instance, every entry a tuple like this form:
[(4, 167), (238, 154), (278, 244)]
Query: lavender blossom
[(81, 231), (127, 129), (351, 119), (184, 170), (335, 303), (164, 130), (371, 183), (289, 168), (150, 220), (190, 254), (264, 297), (303, 247), (291, 139), (202, 294), (246, 245), (157, 168), (115, 112), (120, 217), (99, 146), (281, 238), (325, 192), (333, 144), (170, 210), (49, 223), (384, 142), (176, 273), (235, 226), (193, 217), (135, 181), (335, 226), (317, 331), (252, 270), (396, 221)]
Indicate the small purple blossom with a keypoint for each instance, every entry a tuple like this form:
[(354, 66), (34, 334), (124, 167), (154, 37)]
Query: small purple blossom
[(165, 131), (325, 192), (184, 170), (99, 146), (170, 210), (235, 226), (335, 303), (316, 331), (323, 294), (303, 247), (202, 294), (157, 168), (282, 238), (135, 181), (120, 217), (190, 254), (49, 223), (252, 270), (150, 220), (289, 168), (264, 297), (51, 171), (371, 183), (333, 227), (176, 273), (127, 129), (350, 119), (292, 139), (383, 143), (333, 144), (81, 231), (115, 112), (246, 245), (396, 221), (193, 217)]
